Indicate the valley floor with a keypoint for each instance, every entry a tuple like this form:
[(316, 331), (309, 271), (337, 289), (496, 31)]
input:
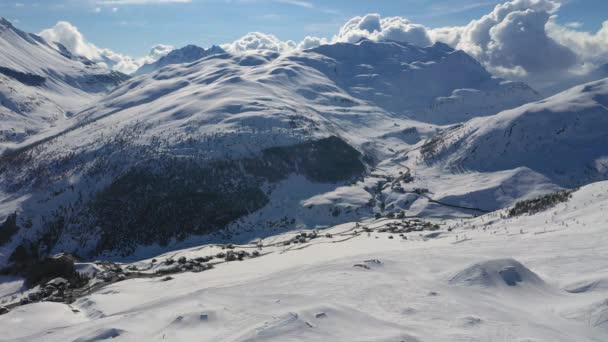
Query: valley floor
[(542, 277)]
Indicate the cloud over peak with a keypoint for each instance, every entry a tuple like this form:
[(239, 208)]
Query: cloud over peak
[(518, 39), (259, 41), (69, 36), (374, 27)]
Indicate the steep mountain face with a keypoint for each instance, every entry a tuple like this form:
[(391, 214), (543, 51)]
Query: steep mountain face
[(436, 84), (41, 83), (563, 137), (193, 148), (187, 54)]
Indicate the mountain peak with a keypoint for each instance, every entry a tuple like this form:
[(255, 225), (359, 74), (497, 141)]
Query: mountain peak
[(5, 23), (186, 54), (443, 47)]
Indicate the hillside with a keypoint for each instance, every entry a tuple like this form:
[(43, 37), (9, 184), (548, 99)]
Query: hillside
[(562, 138)]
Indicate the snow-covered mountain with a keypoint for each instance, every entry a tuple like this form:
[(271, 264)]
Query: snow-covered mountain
[(435, 84), (187, 54), (41, 83), (562, 137)]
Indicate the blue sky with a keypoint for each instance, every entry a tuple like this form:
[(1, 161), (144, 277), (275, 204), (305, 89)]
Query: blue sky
[(130, 28)]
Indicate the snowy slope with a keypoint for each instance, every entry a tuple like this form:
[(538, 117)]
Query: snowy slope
[(41, 83), (187, 54), (529, 278), (563, 137)]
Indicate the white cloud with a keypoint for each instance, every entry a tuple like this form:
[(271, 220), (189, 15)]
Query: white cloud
[(259, 41), (521, 39), (374, 27), (371, 26), (311, 42), (512, 39), (448, 35), (69, 36), (591, 48)]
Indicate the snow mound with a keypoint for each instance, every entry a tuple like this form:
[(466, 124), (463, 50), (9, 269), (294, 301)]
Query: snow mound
[(497, 273), (327, 324), (101, 335), (588, 285)]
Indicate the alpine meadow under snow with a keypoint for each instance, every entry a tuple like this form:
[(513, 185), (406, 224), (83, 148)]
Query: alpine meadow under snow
[(394, 183)]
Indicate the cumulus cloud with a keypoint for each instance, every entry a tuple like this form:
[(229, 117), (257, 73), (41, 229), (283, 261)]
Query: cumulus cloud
[(513, 39), (448, 35), (259, 41), (374, 27), (371, 26), (522, 39), (591, 48), (69, 36), (311, 43)]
